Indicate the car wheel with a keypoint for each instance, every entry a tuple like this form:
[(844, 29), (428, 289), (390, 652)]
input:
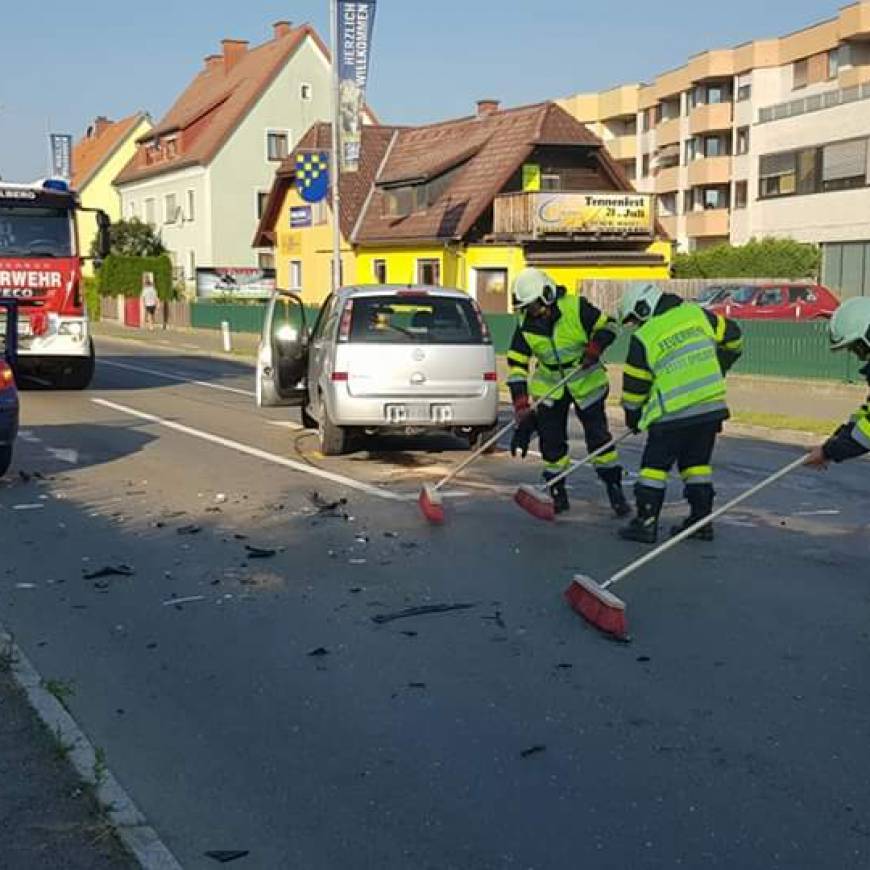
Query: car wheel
[(5, 458), (481, 436), (333, 439), (77, 374)]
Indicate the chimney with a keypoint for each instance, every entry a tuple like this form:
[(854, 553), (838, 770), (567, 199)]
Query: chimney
[(234, 51), (487, 107), (100, 124), (282, 29), (213, 61)]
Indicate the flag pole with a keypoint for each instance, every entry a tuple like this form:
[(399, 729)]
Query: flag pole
[(334, 163)]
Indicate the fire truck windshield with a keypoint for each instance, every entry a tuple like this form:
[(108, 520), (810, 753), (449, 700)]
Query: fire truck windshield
[(35, 231)]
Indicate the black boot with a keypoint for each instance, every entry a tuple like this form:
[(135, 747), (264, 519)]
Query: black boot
[(644, 528), (612, 480), (558, 493), (700, 498)]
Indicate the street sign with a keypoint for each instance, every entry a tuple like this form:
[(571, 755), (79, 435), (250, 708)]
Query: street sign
[(301, 216)]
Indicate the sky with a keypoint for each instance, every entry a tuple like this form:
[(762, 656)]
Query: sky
[(64, 63)]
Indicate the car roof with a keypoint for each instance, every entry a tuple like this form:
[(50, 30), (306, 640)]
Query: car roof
[(363, 290)]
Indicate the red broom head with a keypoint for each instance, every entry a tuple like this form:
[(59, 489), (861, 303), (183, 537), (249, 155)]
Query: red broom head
[(598, 606), (431, 505), (535, 502)]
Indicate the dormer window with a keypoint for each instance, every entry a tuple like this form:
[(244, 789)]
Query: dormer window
[(171, 147)]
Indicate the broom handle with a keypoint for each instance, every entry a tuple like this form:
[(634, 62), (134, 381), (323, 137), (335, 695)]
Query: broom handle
[(504, 430), (587, 459), (686, 533)]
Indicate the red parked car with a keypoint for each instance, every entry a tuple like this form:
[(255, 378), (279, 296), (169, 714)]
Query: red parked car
[(777, 302)]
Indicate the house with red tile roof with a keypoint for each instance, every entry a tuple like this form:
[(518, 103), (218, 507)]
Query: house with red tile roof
[(97, 158), (202, 175)]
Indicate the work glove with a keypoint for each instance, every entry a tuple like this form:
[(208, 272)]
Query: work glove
[(592, 356), (522, 410), (522, 437)]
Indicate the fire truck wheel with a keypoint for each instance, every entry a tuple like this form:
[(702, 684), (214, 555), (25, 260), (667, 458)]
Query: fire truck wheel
[(77, 374), (5, 458)]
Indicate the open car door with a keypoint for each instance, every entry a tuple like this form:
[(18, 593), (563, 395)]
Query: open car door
[(282, 357)]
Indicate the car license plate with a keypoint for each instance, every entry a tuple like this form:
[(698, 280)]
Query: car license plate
[(411, 412)]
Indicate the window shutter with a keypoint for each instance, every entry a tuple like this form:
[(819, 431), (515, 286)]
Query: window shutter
[(777, 164), (844, 160)]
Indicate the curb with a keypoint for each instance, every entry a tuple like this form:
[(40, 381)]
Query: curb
[(128, 821), (243, 358)]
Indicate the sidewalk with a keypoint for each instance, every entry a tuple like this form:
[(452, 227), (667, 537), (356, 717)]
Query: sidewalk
[(48, 818), (775, 403)]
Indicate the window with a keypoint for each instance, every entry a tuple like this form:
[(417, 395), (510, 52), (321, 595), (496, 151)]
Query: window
[(716, 94), (741, 194), (778, 174), (800, 73), (277, 145), (833, 63), (191, 205), (688, 201), (306, 92), (744, 90), (170, 148), (713, 146), (399, 201), (191, 265), (644, 166), (262, 199), (491, 290), (551, 182), (379, 271), (844, 165), (170, 209), (296, 274), (809, 170), (414, 320), (689, 151), (743, 140), (131, 209), (150, 211), (265, 260), (770, 296), (429, 273), (715, 197)]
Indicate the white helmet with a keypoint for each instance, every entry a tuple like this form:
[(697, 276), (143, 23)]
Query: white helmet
[(533, 285), (851, 323), (639, 302)]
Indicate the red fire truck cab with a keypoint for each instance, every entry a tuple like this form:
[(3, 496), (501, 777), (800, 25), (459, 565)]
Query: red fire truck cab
[(41, 269)]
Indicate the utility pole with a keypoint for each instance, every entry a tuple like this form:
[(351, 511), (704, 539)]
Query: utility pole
[(334, 167)]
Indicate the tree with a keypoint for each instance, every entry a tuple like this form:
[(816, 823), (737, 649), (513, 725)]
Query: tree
[(133, 238)]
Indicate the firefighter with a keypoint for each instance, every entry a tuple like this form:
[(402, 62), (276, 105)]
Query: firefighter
[(561, 332), (674, 389), (849, 330)]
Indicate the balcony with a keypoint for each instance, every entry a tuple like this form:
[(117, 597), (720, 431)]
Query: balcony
[(710, 170), (588, 214), (668, 180), (709, 223), (711, 117), (622, 147), (668, 132), (718, 64), (669, 225), (619, 102)]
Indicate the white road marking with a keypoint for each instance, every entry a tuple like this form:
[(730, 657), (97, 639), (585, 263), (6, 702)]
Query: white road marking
[(177, 378), (28, 436), (71, 457), (256, 452)]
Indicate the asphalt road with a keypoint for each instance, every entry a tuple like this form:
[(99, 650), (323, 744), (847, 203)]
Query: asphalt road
[(272, 714)]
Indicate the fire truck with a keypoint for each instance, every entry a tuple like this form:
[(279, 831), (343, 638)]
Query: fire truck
[(41, 269)]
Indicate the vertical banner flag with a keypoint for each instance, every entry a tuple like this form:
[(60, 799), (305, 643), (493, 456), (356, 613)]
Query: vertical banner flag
[(61, 155), (356, 21)]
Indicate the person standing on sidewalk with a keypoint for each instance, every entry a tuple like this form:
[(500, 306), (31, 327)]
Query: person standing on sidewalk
[(674, 389), (849, 329), (150, 300), (562, 332)]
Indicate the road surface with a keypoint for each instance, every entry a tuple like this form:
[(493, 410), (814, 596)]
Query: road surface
[(269, 712)]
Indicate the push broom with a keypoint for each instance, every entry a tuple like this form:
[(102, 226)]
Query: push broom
[(430, 501), (538, 501), (600, 607)]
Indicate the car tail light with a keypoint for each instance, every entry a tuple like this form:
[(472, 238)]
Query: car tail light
[(490, 376), (7, 378), (344, 326), (339, 377)]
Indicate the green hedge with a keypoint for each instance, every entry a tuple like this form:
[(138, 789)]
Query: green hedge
[(767, 258), (123, 275), (92, 298)]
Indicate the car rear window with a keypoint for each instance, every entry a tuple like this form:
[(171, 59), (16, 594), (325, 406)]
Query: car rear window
[(392, 319)]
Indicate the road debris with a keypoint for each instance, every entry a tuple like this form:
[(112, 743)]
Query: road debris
[(25, 586), (318, 653), (325, 508), (28, 507), (191, 599), (189, 530), (259, 552), (425, 610), (533, 750), (357, 561), (225, 856), (109, 571), (496, 618)]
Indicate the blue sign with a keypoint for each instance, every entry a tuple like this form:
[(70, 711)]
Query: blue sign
[(300, 216), (356, 21), (312, 175)]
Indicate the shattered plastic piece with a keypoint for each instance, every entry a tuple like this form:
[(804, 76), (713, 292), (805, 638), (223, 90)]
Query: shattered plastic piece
[(357, 561), (644, 658), (224, 856), (533, 750), (109, 571), (25, 586), (410, 633), (189, 530), (318, 653), (28, 507), (391, 534), (259, 552), (416, 685), (564, 666), (220, 498), (425, 610), (189, 600)]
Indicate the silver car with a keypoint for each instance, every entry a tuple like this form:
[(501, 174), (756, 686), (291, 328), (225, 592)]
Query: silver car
[(378, 359)]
